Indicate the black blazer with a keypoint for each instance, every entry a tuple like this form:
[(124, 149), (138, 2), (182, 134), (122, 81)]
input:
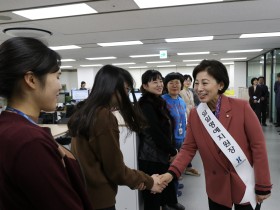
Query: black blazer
[(254, 95), (265, 93)]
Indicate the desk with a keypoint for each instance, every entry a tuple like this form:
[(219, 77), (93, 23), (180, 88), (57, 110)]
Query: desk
[(56, 129)]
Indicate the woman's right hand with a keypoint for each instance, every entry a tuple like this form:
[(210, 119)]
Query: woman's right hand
[(167, 177), (159, 185)]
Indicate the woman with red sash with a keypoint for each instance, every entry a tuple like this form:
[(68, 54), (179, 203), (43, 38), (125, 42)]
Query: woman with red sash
[(224, 185)]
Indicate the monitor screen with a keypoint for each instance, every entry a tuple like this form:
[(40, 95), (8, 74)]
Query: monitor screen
[(137, 95), (80, 95)]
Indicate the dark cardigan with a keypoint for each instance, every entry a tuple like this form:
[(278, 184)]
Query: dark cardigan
[(156, 141)]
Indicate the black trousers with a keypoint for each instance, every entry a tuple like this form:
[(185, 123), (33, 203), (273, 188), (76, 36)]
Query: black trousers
[(257, 109), (216, 206), (110, 208), (168, 195), (278, 116), (263, 112)]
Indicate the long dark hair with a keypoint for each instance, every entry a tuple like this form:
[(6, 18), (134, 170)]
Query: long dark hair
[(109, 80), (19, 55)]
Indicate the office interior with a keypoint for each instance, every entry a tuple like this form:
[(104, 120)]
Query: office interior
[(243, 34)]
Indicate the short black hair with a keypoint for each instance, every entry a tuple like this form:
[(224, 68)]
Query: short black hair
[(172, 76), (148, 76), (253, 79), (261, 77), (278, 75), (216, 69), (187, 76)]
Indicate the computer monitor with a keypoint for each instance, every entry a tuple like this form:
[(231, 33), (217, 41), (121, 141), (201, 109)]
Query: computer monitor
[(79, 95), (137, 95)]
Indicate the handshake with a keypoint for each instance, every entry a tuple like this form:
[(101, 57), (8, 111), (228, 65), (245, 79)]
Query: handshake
[(160, 182)]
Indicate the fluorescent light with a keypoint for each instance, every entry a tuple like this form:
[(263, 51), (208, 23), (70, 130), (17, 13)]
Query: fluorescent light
[(158, 62), (144, 56), (194, 53), (259, 35), (57, 11), (230, 59), (164, 66), (194, 64), (228, 63), (91, 65), (122, 64), (137, 67), (190, 39), (67, 60), (66, 47), (242, 51), (193, 60), (102, 58), (111, 44), (65, 67), (164, 3)]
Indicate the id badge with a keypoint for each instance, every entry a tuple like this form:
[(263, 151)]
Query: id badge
[(180, 131)]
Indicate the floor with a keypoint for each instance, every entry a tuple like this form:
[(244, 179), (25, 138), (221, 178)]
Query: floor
[(194, 196)]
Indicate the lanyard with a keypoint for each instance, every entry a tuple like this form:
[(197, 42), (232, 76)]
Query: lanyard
[(11, 109)]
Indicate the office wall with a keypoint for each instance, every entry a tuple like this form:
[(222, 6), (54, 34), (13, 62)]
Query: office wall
[(70, 78), (137, 73), (87, 75), (239, 76)]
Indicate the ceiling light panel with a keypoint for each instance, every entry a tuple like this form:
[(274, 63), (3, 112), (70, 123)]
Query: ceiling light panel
[(123, 64), (243, 51), (67, 60), (65, 67), (112, 44), (190, 39), (102, 58), (231, 59), (259, 35), (194, 53), (66, 47), (91, 65), (196, 60), (137, 67), (158, 62), (166, 3), (54, 12), (165, 66), (144, 56), (193, 64)]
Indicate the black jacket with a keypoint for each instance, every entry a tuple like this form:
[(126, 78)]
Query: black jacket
[(156, 141)]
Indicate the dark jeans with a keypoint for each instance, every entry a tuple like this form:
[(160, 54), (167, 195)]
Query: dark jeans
[(168, 195), (110, 208), (216, 206)]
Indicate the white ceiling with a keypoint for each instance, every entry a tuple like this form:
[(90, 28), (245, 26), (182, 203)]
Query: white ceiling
[(122, 20)]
